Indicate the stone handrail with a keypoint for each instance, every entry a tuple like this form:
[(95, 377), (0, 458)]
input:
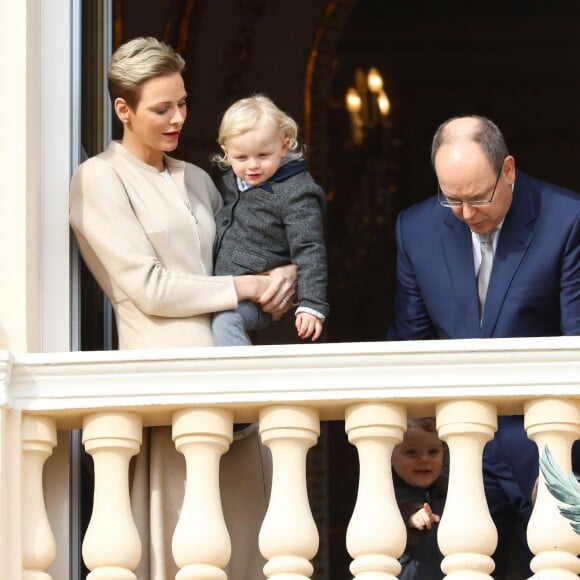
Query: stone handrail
[(289, 389)]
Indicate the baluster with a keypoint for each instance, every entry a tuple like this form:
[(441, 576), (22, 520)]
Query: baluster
[(467, 535), (111, 547), (288, 536), (555, 423), (201, 542), (376, 534), (38, 545)]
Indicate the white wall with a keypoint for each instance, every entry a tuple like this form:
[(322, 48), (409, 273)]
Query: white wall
[(20, 176), (35, 159), (36, 50), (60, 47)]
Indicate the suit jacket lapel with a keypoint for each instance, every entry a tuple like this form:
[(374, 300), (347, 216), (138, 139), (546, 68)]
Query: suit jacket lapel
[(515, 237), (458, 253)]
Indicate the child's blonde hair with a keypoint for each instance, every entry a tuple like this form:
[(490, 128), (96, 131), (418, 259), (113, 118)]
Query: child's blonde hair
[(244, 114)]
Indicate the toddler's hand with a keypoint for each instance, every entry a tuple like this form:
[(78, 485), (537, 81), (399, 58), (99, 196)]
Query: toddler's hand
[(424, 518), (308, 326)]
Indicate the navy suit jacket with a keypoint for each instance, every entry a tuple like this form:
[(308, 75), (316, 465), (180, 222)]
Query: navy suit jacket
[(534, 288)]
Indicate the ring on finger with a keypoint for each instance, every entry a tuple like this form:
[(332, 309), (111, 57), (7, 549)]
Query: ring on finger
[(285, 300)]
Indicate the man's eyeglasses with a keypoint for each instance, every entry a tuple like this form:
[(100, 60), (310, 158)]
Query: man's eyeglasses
[(446, 202)]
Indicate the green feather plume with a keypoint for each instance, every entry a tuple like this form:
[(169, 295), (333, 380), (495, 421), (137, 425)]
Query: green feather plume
[(564, 488)]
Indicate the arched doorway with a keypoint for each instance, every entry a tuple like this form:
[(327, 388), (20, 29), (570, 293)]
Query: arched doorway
[(515, 62)]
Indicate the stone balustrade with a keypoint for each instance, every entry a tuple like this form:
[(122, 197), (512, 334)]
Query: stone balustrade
[(289, 390)]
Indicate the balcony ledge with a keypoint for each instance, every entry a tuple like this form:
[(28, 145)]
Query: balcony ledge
[(328, 376)]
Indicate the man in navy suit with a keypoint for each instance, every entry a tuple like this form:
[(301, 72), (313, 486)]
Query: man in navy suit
[(533, 288)]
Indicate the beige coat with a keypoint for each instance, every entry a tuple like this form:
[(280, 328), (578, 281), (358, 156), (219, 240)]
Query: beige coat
[(148, 240)]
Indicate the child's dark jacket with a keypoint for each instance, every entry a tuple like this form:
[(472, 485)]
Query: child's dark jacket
[(276, 223), (422, 557)]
